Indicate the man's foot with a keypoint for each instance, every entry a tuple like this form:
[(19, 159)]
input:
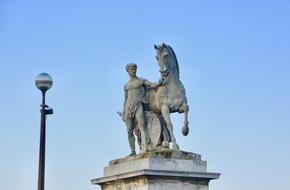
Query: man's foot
[(165, 144), (144, 150), (133, 153)]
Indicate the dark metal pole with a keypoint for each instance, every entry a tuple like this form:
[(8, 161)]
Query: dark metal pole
[(41, 169)]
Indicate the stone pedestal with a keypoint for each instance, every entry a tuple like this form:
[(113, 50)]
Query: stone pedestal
[(157, 170)]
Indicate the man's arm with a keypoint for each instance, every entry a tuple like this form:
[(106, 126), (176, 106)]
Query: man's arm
[(152, 84), (125, 99)]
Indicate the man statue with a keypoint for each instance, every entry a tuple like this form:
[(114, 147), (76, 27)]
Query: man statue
[(134, 114)]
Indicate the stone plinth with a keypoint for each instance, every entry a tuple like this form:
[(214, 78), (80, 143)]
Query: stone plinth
[(159, 170)]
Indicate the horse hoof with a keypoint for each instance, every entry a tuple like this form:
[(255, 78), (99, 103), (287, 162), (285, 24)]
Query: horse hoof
[(175, 146), (185, 130)]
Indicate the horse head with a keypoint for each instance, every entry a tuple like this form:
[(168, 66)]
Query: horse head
[(171, 95), (167, 60)]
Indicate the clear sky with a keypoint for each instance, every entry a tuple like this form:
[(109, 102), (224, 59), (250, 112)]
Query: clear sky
[(234, 59)]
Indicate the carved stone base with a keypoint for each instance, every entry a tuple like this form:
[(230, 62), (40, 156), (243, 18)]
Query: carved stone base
[(162, 170)]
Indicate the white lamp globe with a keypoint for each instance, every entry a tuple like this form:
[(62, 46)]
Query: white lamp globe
[(43, 82)]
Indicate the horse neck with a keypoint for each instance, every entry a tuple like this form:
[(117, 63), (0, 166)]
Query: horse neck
[(172, 66), (171, 81)]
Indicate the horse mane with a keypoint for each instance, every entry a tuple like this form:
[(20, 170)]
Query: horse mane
[(173, 65)]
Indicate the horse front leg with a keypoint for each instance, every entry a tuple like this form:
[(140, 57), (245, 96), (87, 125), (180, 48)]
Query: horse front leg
[(166, 115), (184, 109)]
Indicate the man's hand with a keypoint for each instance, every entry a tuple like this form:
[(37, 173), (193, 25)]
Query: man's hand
[(162, 81), (122, 115)]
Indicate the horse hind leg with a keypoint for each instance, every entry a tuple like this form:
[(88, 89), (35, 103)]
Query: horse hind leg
[(184, 109), (166, 115)]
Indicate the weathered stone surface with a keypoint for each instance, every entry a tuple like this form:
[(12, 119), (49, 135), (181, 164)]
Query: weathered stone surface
[(151, 183), (146, 113), (166, 153), (140, 183), (147, 105), (158, 164), (162, 170)]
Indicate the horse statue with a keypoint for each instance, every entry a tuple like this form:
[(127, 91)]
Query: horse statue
[(170, 97)]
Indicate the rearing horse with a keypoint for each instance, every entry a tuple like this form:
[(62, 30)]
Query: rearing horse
[(170, 97)]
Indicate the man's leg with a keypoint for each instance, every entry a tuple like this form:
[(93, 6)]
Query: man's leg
[(131, 137), (140, 117)]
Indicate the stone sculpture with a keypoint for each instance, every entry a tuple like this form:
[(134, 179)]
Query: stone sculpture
[(148, 105), (147, 109), (134, 113)]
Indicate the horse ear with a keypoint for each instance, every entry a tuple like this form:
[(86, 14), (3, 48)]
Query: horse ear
[(155, 46), (163, 44)]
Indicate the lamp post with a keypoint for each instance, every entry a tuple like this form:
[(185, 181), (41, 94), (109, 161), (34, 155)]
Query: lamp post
[(43, 82)]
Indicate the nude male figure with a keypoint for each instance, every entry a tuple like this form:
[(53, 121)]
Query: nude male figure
[(133, 114)]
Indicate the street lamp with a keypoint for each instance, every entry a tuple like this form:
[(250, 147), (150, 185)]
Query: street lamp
[(43, 82)]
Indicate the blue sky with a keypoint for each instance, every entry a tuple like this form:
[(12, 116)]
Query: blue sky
[(234, 63)]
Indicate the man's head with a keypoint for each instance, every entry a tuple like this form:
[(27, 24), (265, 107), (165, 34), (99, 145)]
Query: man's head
[(130, 65), (131, 68)]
